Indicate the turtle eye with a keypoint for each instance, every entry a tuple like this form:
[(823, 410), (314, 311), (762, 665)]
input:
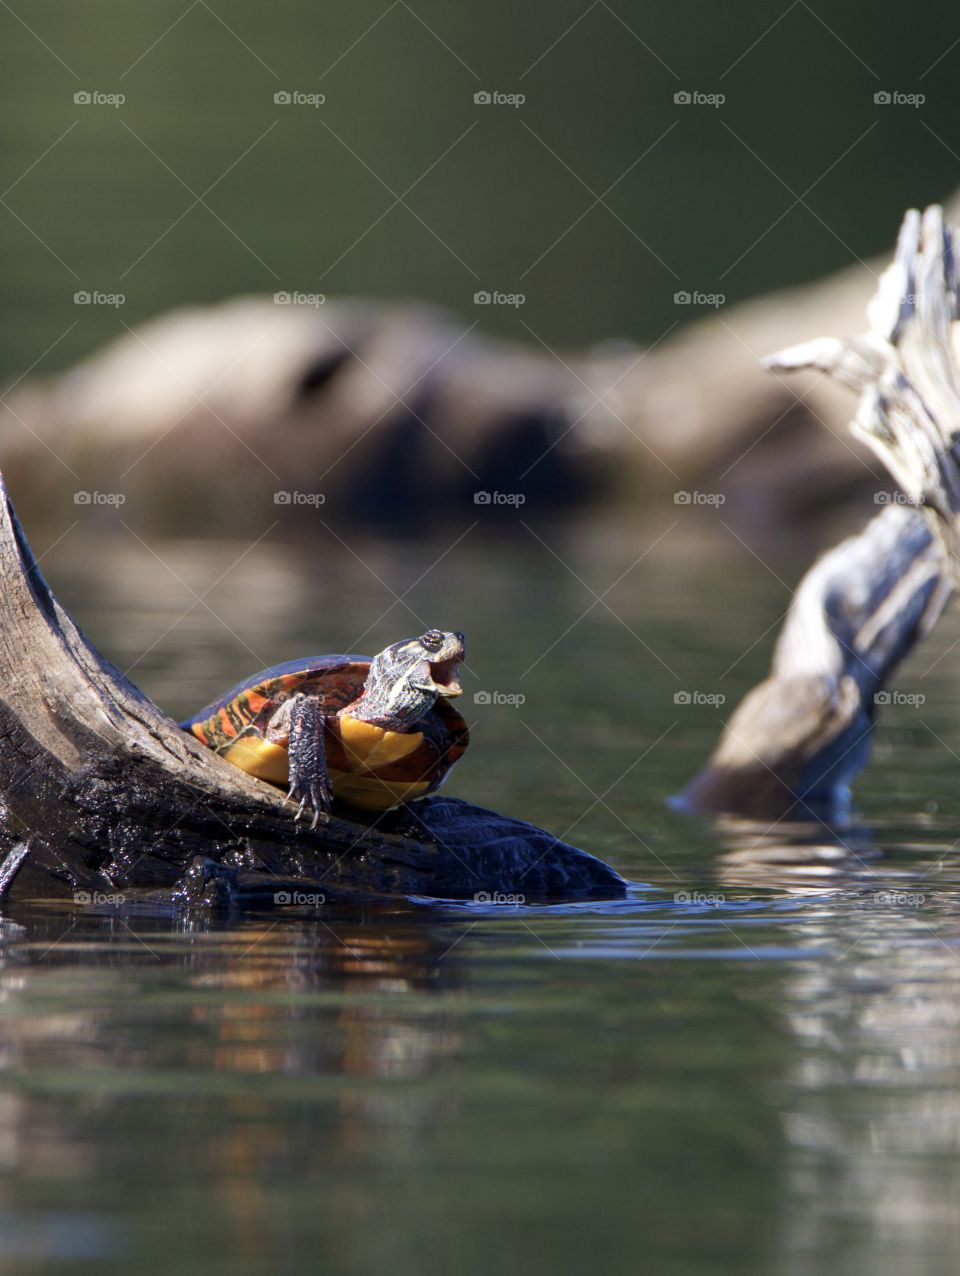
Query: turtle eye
[(432, 640)]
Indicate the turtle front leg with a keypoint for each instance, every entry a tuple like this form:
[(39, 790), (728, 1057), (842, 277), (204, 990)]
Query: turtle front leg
[(301, 720)]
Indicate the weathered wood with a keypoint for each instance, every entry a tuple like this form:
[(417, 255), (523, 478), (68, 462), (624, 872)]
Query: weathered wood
[(796, 741), (907, 371), (101, 791)]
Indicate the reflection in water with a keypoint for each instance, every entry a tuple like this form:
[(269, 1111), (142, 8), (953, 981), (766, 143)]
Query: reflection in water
[(320, 1015), (817, 1047), (798, 857), (869, 1108), (762, 1039), (887, 1033), (368, 1035)]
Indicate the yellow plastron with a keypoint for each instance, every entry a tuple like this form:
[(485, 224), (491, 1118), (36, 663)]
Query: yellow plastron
[(366, 748)]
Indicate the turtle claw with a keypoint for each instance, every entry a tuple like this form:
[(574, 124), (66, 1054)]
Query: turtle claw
[(313, 796), (320, 801)]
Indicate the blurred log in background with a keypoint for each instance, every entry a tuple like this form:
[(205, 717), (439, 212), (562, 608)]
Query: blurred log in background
[(401, 414)]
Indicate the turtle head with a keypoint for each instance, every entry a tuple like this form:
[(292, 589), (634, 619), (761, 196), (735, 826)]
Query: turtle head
[(406, 679)]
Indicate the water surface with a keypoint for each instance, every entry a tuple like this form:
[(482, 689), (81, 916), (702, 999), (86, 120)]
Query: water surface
[(739, 1068)]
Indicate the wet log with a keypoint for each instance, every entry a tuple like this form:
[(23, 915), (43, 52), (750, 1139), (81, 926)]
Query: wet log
[(101, 793)]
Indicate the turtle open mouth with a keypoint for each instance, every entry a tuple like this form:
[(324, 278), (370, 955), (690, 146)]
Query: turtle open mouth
[(443, 677)]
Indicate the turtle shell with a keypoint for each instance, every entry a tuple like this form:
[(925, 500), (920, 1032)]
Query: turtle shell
[(369, 767)]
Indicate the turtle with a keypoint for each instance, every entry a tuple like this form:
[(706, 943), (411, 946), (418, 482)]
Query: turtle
[(372, 733)]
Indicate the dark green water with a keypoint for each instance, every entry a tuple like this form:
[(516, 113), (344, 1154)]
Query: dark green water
[(759, 1077), (598, 199)]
